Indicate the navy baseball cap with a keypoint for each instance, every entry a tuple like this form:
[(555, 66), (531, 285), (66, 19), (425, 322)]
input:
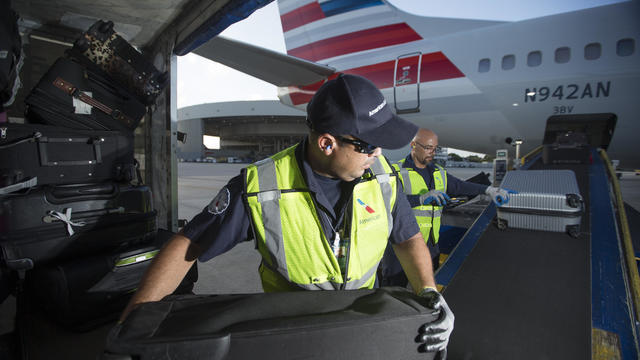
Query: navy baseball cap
[(353, 105)]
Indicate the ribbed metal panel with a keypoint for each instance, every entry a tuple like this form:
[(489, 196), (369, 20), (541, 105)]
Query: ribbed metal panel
[(541, 190)]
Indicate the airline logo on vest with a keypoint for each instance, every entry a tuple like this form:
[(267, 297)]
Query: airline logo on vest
[(370, 210)]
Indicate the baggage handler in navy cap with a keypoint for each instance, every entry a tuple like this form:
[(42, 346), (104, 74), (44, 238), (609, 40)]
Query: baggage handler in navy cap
[(321, 212)]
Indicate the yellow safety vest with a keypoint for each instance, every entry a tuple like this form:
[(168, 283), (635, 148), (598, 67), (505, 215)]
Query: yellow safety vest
[(427, 216), (295, 251)]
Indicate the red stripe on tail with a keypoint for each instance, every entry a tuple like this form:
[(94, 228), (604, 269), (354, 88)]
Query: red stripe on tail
[(301, 16), (435, 66), (357, 41)]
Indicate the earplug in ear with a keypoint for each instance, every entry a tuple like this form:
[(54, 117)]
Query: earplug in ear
[(328, 147)]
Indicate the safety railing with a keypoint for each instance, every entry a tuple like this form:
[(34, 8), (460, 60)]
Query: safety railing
[(629, 253)]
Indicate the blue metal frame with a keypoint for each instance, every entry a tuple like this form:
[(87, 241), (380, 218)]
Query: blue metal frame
[(610, 302)]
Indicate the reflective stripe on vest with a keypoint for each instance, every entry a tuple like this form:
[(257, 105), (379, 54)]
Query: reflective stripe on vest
[(295, 251), (427, 216)]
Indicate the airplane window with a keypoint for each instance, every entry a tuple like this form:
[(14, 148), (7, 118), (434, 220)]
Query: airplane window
[(563, 55), (592, 51), (484, 65), (508, 62), (625, 47), (534, 58)]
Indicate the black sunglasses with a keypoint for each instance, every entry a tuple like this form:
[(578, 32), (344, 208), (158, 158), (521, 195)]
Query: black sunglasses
[(360, 146)]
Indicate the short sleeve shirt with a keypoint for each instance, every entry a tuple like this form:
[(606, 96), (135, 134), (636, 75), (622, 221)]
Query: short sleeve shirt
[(225, 222)]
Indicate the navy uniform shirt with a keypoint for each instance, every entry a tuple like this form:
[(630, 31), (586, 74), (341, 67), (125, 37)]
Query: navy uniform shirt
[(455, 186), (224, 222)]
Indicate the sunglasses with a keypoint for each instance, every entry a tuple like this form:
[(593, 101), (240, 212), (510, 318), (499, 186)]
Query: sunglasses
[(428, 147), (360, 146)]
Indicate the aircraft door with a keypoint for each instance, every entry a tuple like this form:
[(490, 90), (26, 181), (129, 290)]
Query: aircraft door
[(406, 84)]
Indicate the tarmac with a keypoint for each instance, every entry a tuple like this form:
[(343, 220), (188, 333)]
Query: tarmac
[(236, 270), (232, 272)]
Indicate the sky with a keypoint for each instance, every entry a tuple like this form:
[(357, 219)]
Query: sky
[(203, 81)]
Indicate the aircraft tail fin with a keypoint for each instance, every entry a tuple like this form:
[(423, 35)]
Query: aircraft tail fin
[(325, 30)]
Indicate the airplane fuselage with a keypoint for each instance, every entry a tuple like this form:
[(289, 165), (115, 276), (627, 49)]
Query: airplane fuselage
[(479, 86)]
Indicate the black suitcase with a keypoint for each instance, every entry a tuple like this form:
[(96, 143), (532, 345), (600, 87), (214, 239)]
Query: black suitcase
[(32, 232), (88, 291), (52, 155), (356, 324), (102, 47), (74, 96), (567, 148)]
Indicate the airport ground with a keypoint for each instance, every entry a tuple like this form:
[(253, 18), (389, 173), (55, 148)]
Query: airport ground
[(236, 270), (198, 183)]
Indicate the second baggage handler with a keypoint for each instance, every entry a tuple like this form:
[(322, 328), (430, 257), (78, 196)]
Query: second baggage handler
[(428, 186), (321, 212)]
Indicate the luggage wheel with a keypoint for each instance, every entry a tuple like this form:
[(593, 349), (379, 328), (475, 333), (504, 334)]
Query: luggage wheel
[(574, 231), (501, 224)]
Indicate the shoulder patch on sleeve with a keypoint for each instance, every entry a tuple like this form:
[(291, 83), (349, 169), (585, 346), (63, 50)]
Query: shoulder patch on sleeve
[(220, 203)]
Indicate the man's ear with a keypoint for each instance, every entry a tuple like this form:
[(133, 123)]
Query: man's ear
[(326, 143)]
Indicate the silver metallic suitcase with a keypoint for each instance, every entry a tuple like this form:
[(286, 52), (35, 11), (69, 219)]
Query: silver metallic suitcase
[(547, 200)]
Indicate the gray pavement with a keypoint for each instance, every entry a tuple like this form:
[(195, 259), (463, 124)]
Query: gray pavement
[(236, 270)]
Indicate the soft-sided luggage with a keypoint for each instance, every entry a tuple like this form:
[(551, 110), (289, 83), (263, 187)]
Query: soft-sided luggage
[(61, 222), (355, 324), (11, 55), (74, 96), (82, 293), (546, 200), (33, 154), (102, 47)]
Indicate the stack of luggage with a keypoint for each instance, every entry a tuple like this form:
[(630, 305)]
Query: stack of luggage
[(77, 224)]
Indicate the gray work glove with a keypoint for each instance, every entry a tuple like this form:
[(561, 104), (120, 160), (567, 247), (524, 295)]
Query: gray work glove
[(434, 197), (500, 196), (435, 336)]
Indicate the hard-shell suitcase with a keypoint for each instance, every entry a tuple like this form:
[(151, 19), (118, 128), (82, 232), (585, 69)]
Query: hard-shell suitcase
[(82, 293), (75, 96), (102, 47), (547, 200), (355, 324), (33, 154), (61, 222)]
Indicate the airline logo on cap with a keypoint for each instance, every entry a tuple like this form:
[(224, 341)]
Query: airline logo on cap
[(378, 108)]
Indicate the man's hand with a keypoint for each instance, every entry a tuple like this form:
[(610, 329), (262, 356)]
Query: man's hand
[(435, 336), (498, 195), (440, 198)]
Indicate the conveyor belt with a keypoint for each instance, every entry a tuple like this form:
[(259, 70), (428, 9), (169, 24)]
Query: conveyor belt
[(522, 294)]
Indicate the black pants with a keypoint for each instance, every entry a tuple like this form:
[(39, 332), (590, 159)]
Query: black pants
[(391, 273)]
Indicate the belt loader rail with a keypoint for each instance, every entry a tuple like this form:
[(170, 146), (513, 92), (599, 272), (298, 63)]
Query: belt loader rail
[(529, 294)]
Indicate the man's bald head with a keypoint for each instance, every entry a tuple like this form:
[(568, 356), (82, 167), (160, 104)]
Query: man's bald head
[(423, 147), (425, 135)]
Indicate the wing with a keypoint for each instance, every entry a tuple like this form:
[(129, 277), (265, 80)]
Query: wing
[(270, 66)]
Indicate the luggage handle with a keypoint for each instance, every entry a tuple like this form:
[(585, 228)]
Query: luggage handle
[(19, 186), (44, 155), (70, 89), (3, 134), (86, 214), (66, 192)]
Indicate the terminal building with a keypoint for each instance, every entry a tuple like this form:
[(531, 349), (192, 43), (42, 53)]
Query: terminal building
[(247, 131), (238, 131)]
